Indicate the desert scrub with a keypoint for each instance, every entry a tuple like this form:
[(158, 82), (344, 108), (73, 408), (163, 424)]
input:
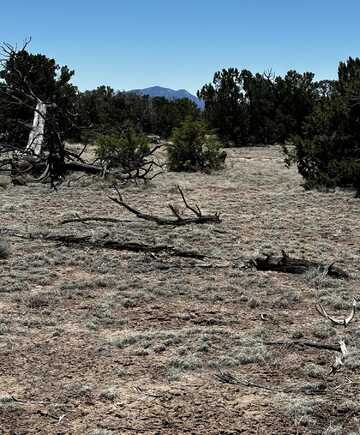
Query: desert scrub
[(39, 300), (192, 348), (79, 390), (336, 301), (127, 150), (11, 286), (7, 403), (353, 360), (299, 409), (290, 298), (185, 363), (323, 330), (108, 394), (194, 148), (315, 371)]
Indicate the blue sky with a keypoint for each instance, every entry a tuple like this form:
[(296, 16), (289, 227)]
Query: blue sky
[(181, 43)]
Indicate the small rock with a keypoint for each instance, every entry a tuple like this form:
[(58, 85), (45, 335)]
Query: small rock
[(4, 249)]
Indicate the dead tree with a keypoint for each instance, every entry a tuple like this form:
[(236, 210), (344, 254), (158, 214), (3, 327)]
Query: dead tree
[(178, 219), (37, 132), (45, 156)]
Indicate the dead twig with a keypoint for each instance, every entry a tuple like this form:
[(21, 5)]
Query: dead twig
[(94, 219), (228, 378)]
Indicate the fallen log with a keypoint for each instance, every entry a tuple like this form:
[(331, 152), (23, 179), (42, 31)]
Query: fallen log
[(286, 264), (116, 245)]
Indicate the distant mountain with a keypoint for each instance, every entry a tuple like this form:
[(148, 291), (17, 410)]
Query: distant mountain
[(170, 94)]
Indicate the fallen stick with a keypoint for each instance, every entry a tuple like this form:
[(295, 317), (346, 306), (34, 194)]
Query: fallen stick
[(94, 219), (178, 220)]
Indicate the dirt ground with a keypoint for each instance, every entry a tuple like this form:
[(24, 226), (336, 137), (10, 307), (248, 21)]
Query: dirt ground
[(101, 342)]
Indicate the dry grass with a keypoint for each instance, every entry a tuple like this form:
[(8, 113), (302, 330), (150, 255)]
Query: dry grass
[(130, 343)]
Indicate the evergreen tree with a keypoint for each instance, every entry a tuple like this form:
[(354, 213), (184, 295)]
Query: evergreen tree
[(327, 152), (226, 109)]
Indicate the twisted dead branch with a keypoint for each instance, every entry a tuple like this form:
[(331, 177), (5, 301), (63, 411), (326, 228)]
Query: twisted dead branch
[(178, 220), (340, 360), (45, 156), (286, 264), (345, 321)]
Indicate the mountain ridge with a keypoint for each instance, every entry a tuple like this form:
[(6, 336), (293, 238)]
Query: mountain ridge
[(170, 94)]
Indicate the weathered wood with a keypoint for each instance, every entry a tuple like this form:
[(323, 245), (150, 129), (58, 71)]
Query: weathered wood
[(178, 220), (343, 321), (286, 264), (36, 136), (111, 244), (93, 219)]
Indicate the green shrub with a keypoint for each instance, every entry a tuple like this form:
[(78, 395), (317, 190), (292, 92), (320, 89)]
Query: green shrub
[(127, 151), (327, 153), (194, 148)]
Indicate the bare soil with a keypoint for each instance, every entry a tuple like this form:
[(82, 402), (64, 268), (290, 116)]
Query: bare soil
[(101, 342)]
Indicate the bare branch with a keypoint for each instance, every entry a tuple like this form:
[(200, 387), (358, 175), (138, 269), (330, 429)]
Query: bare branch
[(179, 220), (75, 240), (287, 264), (340, 360), (197, 211), (321, 310)]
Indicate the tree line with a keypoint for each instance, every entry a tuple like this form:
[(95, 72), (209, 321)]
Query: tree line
[(318, 122)]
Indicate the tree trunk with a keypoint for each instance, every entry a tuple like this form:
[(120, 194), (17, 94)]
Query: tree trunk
[(36, 136)]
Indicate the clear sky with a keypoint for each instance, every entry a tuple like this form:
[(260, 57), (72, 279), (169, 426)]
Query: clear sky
[(181, 43)]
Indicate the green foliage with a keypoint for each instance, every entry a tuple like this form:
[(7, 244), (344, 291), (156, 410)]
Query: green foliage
[(327, 152), (194, 148), (168, 114), (24, 75), (226, 109), (126, 150), (103, 110), (247, 109)]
